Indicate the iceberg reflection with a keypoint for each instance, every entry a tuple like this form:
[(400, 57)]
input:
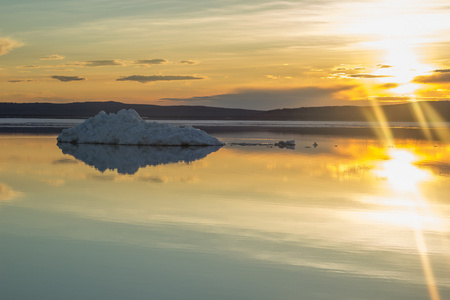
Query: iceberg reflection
[(128, 159)]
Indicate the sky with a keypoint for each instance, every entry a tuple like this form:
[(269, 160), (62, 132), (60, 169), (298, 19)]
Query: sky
[(246, 54)]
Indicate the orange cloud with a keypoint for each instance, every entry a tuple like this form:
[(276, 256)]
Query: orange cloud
[(7, 45), (438, 77)]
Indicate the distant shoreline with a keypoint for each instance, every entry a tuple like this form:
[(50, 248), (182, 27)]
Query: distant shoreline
[(432, 111), (359, 132)]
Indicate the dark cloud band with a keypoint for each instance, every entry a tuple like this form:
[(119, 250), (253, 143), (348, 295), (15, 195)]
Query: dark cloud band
[(442, 71), (368, 76), (102, 63), (152, 78), (386, 86), (272, 98), (156, 61), (438, 77), (20, 80), (188, 62), (67, 78)]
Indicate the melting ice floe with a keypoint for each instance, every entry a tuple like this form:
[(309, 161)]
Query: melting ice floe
[(128, 128), (286, 144), (128, 159)]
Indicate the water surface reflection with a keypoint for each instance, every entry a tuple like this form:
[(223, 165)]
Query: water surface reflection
[(128, 159), (356, 221)]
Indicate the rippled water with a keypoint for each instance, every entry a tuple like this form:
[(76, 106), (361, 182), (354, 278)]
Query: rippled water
[(348, 219)]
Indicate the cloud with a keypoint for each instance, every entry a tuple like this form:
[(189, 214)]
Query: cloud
[(67, 78), (273, 98), (344, 67), (368, 76), (8, 194), (65, 161), (55, 67), (188, 62), (442, 71), (388, 85), (152, 78), (438, 77), (156, 61), (34, 67), (53, 57), (7, 45), (20, 80), (392, 99), (384, 66), (41, 96), (102, 63)]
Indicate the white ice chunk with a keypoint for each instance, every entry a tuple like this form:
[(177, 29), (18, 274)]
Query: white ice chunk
[(128, 128)]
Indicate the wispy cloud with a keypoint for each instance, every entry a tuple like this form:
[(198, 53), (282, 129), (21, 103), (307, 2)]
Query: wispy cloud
[(20, 80), (388, 85), (102, 63), (392, 99), (7, 193), (36, 67), (442, 71), (272, 98), (7, 45), (152, 78), (368, 76), (381, 66), (53, 57), (68, 78), (344, 67), (219, 26), (188, 62), (440, 76), (156, 61), (77, 64)]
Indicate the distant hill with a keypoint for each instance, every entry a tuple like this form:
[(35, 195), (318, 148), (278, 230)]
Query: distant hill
[(408, 112), (89, 109), (400, 112)]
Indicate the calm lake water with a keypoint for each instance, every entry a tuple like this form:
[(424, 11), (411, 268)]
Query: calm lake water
[(353, 218)]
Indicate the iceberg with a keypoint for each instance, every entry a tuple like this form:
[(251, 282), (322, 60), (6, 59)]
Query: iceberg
[(129, 159), (128, 128)]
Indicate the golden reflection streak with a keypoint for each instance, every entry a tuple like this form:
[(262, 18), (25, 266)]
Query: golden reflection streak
[(426, 265), (404, 178)]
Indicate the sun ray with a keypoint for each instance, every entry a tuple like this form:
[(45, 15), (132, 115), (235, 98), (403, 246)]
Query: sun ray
[(433, 116), (382, 128), (404, 177), (423, 123)]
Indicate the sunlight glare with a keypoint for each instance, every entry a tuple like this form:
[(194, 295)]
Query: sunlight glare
[(404, 177), (406, 65), (400, 171)]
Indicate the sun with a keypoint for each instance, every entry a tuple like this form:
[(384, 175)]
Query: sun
[(397, 31), (404, 64)]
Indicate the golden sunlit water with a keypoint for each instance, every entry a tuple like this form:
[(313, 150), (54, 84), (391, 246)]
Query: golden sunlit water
[(351, 218)]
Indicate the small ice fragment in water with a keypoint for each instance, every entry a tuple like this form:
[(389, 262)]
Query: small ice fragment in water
[(286, 144)]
